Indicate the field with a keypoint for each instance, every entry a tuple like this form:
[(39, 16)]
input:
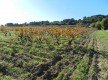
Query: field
[(53, 53)]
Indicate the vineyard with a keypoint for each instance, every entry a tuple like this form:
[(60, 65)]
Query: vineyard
[(52, 53)]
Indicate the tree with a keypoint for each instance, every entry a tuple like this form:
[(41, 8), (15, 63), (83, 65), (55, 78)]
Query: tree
[(55, 23), (98, 25), (9, 24), (16, 24), (44, 23), (71, 21), (104, 23), (93, 18)]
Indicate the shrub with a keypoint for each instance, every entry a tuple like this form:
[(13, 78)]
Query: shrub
[(98, 25), (92, 25)]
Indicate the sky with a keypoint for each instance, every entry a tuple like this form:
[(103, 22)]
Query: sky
[(20, 11)]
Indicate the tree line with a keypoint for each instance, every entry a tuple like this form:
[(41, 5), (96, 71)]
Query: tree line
[(92, 21), (71, 21)]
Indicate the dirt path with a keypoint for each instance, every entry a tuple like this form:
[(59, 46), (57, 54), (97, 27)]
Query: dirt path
[(103, 55), (99, 65)]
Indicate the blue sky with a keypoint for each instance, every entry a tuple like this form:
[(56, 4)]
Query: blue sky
[(19, 11)]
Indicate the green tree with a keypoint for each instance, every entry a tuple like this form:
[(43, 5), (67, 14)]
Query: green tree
[(104, 23), (9, 24), (98, 25), (71, 21), (55, 23)]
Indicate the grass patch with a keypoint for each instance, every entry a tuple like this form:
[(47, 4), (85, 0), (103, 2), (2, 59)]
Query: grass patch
[(102, 37)]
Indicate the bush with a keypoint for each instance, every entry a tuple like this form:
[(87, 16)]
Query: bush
[(104, 23), (98, 25), (92, 25)]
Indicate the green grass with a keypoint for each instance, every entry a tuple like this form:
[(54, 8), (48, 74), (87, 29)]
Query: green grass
[(102, 38)]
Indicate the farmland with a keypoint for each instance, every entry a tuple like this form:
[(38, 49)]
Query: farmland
[(53, 53)]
